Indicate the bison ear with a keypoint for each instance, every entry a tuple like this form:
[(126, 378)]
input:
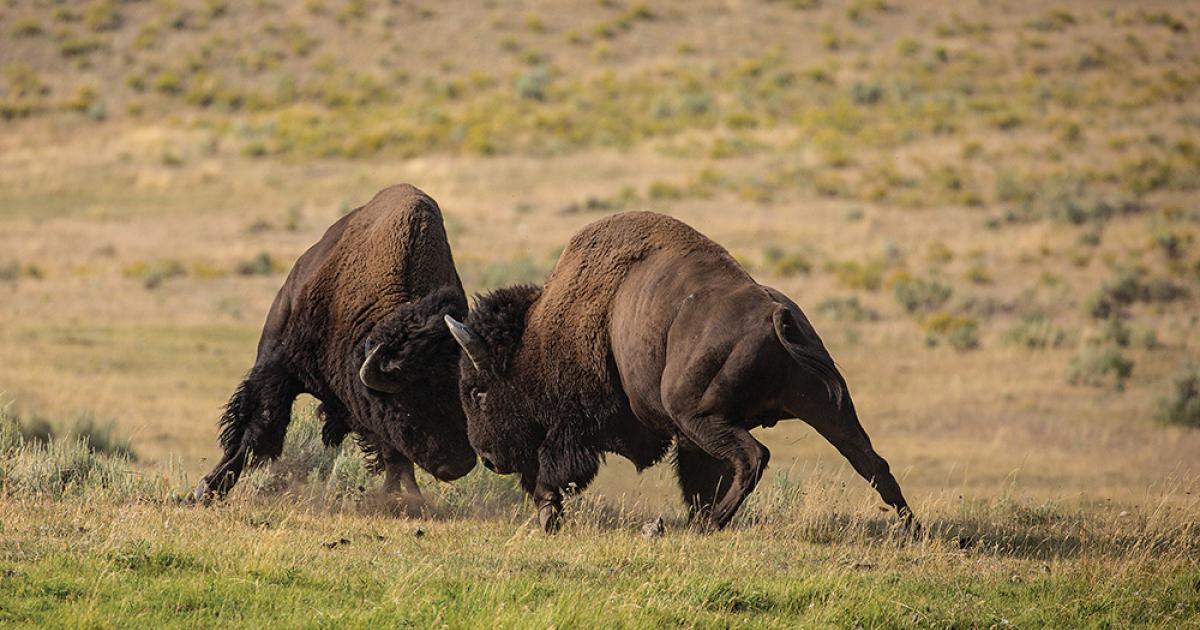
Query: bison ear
[(471, 343), (372, 375)]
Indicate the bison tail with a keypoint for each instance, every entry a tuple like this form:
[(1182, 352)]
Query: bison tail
[(806, 349)]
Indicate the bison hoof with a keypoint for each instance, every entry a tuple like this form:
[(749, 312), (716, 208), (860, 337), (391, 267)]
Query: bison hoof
[(202, 495), (550, 516), (912, 527), (413, 506)]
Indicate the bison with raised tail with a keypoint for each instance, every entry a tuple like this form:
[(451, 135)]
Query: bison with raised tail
[(359, 325), (648, 333)]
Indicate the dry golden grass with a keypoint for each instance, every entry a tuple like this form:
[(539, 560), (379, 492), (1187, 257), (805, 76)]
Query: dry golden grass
[(162, 361)]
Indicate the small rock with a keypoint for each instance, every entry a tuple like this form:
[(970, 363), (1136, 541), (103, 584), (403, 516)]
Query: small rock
[(334, 543), (419, 533), (13, 573), (654, 529)]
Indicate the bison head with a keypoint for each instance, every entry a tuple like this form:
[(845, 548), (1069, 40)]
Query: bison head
[(410, 346), (410, 366), (499, 423)]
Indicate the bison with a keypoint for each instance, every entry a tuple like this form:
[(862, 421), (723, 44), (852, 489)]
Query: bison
[(358, 324), (647, 333)]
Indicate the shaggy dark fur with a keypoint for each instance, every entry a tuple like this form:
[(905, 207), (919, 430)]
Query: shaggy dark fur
[(381, 276), (648, 333)]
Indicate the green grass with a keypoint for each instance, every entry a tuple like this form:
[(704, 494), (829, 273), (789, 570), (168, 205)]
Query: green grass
[(182, 568), (105, 547)]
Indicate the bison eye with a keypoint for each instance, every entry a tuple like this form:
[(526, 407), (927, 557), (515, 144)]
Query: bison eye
[(478, 397)]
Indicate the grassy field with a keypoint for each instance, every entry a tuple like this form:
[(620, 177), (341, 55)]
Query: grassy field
[(86, 544), (989, 211)]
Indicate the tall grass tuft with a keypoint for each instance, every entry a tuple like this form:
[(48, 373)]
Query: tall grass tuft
[(49, 464), (97, 436)]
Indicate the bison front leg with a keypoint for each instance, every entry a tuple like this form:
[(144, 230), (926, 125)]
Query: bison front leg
[(254, 423), (549, 508), (563, 467), (401, 481), (733, 446)]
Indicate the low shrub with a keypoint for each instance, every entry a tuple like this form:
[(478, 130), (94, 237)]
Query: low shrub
[(1100, 367), (978, 274), (919, 295), (97, 436), (783, 263), (102, 15), (938, 253), (1181, 405), (847, 309), (1035, 331), (1130, 286), (858, 275), (663, 191), (1171, 243), (40, 462), (79, 46), (532, 83), (262, 264), (1116, 333), (960, 331), (152, 274), (10, 271), (26, 27)]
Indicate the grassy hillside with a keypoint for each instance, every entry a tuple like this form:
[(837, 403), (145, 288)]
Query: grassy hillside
[(988, 210)]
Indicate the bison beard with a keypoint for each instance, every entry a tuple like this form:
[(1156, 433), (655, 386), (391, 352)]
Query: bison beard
[(648, 333), (358, 324)]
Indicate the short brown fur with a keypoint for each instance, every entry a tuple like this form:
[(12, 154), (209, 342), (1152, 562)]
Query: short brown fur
[(647, 332)]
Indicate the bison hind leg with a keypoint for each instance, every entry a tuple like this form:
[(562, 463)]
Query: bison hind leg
[(703, 479)]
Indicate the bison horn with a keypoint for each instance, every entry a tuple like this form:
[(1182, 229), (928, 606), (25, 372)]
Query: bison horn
[(372, 376), (470, 342)]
